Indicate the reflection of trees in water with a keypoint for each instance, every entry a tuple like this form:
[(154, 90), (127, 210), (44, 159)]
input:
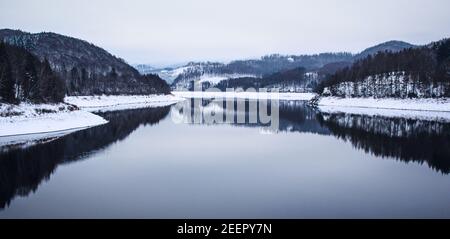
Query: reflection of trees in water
[(294, 116), (405, 139), (22, 170)]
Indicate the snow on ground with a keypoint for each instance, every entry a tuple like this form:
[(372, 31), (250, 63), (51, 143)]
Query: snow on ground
[(38, 119), (426, 109), (441, 104), (216, 78), (121, 102), (213, 79), (245, 95), (27, 140), (26, 123)]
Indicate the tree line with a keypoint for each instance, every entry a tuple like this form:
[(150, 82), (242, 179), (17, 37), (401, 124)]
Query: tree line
[(412, 72), (294, 76), (23, 77), (81, 81)]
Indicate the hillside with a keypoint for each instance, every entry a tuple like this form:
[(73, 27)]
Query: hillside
[(295, 80), (413, 72), (23, 77), (214, 72), (86, 68), (391, 46), (320, 65)]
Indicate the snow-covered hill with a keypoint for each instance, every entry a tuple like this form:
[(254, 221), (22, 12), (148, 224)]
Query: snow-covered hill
[(144, 68), (319, 65)]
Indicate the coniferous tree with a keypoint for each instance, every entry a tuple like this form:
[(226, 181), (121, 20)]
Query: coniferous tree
[(413, 72), (30, 79), (7, 89), (45, 82)]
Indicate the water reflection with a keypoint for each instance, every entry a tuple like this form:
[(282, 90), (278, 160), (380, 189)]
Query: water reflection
[(294, 116), (405, 139), (23, 169), (408, 140)]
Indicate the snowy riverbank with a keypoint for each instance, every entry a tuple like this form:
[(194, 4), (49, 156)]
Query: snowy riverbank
[(426, 109), (25, 123), (121, 102), (442, 104), (244, 95), (42, 118)]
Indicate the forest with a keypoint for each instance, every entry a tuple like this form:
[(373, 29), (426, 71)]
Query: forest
[(85, 68), (81, 81), (23, 77), (281, 80), (410, 73)]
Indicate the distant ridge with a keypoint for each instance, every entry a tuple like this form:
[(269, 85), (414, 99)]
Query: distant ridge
[(392, 46)]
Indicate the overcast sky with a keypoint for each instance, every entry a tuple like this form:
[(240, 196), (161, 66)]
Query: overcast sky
[(174, 31)]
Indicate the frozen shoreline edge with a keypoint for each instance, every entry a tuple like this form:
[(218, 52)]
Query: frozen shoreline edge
[(427, 105), (431, 109), (245, 95), (422, 109), (105, 103), (25, 130), (31, 126)]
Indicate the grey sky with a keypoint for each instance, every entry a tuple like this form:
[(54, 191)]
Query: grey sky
[(171, 31)]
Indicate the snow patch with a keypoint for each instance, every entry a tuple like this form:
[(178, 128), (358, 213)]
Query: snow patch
[(427, 109), (245, 95), (216, 78), (39, 119), (121, 102)]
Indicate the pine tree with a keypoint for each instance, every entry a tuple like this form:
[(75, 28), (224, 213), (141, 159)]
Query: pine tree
[(7, 90), (30, 79), (55, 89), (45, 82)]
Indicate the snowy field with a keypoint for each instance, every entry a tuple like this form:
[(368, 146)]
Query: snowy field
[(425, 109), (244, 95), (43, 118), (121, 102)]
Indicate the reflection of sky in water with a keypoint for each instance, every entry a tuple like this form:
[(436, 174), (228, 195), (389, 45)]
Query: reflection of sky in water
[(168, 170)]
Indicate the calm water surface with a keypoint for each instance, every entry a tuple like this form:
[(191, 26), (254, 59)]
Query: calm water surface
[(314, 165)]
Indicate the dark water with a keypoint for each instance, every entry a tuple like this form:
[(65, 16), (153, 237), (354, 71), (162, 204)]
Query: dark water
[(314, 165)]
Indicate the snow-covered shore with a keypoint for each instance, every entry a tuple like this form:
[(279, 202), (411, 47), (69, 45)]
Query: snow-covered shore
[(121, 102), (245, 95), (441, 104), (43, 118), (26, 123), (424, 109)]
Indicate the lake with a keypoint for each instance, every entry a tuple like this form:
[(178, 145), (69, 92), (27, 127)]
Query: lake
[(143, 164)]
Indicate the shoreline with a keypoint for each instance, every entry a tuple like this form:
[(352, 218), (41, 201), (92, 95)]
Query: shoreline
[(24, 123), (426, 104), (245, 95), (40, 119), (422, 109), (104, 103), (28, 119)]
